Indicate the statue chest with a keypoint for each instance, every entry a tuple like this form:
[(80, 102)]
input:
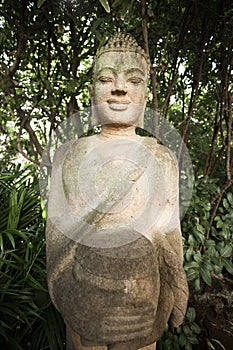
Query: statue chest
[(122, 182)]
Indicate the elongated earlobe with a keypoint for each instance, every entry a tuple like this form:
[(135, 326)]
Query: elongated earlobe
[(90, 89), (94, 117)]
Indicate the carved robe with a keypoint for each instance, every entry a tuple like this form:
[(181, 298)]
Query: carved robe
[(114, 249)]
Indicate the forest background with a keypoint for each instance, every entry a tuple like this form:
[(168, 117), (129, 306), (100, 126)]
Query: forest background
[(46, 50)]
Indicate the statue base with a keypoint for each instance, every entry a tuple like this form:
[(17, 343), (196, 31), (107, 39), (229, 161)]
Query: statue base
[(73, 342)]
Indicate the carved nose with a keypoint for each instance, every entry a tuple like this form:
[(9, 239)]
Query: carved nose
[(119, 87)]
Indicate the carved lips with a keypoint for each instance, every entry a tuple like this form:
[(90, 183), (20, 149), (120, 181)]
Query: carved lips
[(118, 104)]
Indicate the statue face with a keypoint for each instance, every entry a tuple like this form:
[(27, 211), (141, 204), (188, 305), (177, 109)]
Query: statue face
[(120, 88)]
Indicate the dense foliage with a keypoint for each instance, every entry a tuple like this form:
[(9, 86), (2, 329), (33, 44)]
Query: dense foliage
[(46, 51), (28, 319)]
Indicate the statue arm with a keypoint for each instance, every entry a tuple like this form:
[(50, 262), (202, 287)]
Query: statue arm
[(169, 245)]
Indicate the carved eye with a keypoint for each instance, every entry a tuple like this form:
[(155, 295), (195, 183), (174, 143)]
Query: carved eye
[(105, 79), (135, 80)]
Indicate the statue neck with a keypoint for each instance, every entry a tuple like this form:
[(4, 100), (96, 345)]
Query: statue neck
[(118, 131)]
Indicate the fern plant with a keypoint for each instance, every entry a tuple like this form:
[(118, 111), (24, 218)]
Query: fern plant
[(28, 320)]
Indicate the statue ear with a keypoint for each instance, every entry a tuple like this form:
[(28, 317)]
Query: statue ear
[(90, 88), (94, 117)]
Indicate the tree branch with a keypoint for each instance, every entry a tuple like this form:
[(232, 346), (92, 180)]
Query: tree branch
[(19, 147), (213, 141), (152, 71), (21, 42)]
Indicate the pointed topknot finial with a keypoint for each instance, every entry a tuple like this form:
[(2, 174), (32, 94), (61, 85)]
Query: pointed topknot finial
[(122, 42)]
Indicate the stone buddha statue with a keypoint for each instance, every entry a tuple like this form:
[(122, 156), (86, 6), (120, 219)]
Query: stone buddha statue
[(114, 247)]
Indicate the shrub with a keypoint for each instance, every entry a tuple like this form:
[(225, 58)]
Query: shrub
[(28, 320)]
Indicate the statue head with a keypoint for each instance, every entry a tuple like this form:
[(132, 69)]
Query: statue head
[(120, 78)]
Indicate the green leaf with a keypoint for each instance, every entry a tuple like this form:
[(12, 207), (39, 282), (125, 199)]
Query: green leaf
[(191, 264), (191, 239), (197, 257), (188, 254), (200, 228), (192, 274), (210, 243), (117, 3), (230, 198), (186, 329), (15, 205), (195, 328), (225, 203), (11, 239), (198, 235), (217, 269), (220, 246), (105, 5), (197, 284), (40, 3), (220, 224), (182, 339), (206, 263), (206, 276), (191, 314), (226, 252), (1, 243), (228, 265)]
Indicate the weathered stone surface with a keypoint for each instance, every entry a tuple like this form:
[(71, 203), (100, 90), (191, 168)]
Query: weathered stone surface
[(114, 249)]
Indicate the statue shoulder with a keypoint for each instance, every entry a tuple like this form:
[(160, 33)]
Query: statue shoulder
[(72, 149), (160, 151), (61, 152)]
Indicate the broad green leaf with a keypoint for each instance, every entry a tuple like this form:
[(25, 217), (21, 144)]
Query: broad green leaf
[(210, 243), (226, 251), (199, 236), (220, 245), (228, 265), (191, 264), (205, 274), (197, 257), (212, 252), (191, 239), (217, 269), (197, 284), (217, 260), (206, 225), (191, 314), (188, 254), (206, 263), (195, 328), (182, 339), (192, 274), (186, 329), (225, 203), (200, 228), (105, 5), (230, 198), (193, 340)]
